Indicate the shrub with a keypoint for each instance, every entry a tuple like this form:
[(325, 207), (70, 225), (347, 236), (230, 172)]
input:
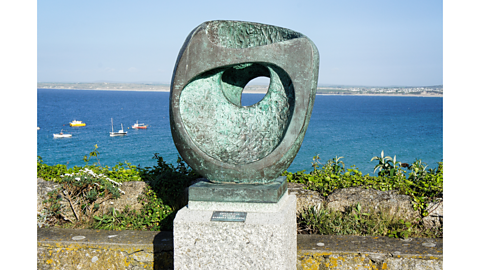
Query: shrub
[(87, 187), (421, 185), (355, 221), (86, 190)]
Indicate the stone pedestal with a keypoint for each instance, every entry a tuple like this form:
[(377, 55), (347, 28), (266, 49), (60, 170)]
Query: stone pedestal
[(266, 239)]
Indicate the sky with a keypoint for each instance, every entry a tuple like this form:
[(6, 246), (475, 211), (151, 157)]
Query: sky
[(371, 43)]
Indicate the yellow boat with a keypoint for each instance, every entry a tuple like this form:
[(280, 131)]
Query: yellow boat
[(76, 123)]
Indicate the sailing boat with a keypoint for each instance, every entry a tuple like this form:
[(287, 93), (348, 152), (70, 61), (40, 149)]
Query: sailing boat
[(119, 133)]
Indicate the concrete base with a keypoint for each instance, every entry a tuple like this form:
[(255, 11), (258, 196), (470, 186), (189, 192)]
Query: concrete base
[(266, 240)]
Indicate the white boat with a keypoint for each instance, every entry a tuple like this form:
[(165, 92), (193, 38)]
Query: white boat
[(121, 132), (61, 135)]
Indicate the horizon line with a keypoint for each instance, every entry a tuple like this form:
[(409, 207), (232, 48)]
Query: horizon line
[(260, 84)]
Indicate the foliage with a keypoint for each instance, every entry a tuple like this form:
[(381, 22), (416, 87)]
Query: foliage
[(387, 166), (169, 182), (154, 215), (50, 173), (51, 215), (163, 197), (121, 172), (421, 185), (86, 190), (87, 187), (95, 154)]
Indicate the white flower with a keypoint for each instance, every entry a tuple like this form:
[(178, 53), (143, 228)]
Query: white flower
[(118, 184), (77, 178)]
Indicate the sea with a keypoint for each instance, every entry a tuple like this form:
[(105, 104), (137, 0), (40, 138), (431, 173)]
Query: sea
[(355, 128)]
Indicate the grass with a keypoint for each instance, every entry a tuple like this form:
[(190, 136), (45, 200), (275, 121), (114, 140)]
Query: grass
[(354, 221)]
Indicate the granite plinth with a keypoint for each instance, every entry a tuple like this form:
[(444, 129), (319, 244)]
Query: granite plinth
[(205, 191), (265, 240)]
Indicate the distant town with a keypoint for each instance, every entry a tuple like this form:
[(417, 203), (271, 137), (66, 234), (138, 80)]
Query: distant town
[(436, 90), (106, 86)]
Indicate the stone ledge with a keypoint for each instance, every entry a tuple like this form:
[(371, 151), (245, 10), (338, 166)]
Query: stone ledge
[(100, 249), (359, 252)]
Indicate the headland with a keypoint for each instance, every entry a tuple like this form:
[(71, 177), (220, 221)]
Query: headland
[(425, 91)]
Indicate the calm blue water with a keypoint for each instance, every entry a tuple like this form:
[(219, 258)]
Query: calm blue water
[(355, 127)]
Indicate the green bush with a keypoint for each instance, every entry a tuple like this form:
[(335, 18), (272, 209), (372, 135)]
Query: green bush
[(50, 173), (421, 185), (167, 184), (87, 187), (163, 197), (355, 221), (121, 172)]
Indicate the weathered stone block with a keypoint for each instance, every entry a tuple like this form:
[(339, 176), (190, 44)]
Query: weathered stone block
[(387, 201), (305, 198), (132, 191), (43, 188), (435, 218)]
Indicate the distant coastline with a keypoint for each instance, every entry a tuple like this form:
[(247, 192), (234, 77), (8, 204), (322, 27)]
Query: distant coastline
[(106, 86), (383, 95), (255, 89)]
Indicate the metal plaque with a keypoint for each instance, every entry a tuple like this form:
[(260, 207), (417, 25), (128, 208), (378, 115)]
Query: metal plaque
[(228, 216)]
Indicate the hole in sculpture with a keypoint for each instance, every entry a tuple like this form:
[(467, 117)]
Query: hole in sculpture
[(255, 91)]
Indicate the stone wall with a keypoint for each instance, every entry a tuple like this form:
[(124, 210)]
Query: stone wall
[(101, 249), (369, 199), (98, 249)]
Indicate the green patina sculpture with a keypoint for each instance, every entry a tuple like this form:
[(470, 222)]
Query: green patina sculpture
[(217, 136)]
